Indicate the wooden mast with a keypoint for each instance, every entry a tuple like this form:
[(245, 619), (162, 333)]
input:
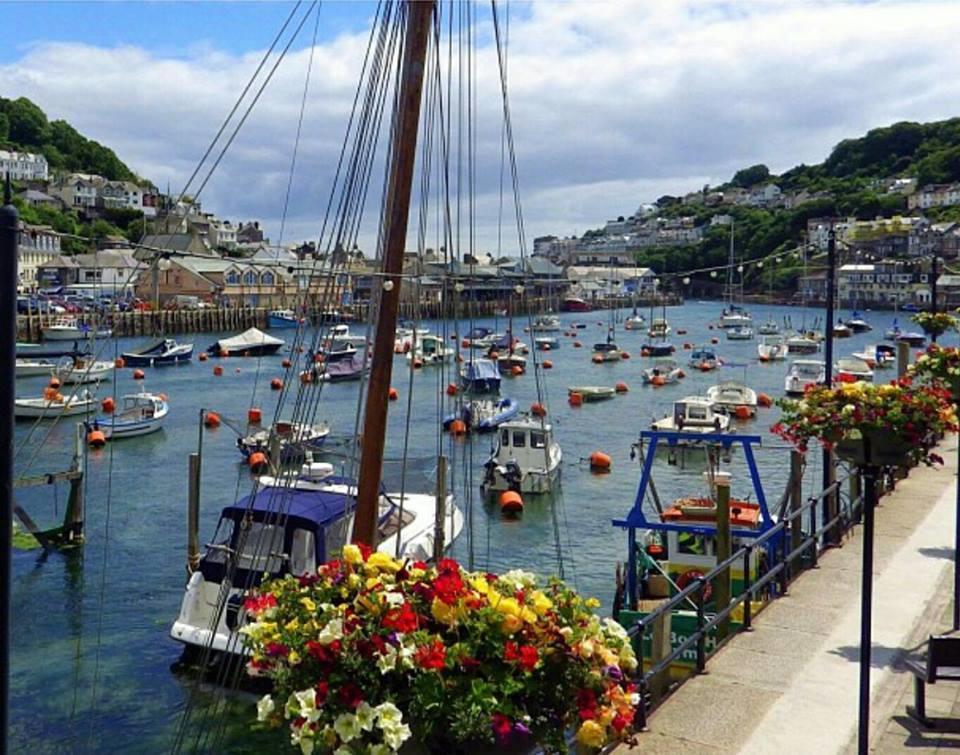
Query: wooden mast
[(403, 156)]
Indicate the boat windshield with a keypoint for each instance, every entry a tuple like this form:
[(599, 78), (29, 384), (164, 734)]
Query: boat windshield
[(538, 439), (808, 369)]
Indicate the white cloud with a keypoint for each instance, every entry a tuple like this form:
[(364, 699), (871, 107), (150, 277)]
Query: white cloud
[(613, 103)]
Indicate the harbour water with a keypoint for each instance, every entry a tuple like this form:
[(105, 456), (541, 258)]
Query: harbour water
[(91, 655)]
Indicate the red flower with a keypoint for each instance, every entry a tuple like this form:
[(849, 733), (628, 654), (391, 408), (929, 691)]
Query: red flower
[(511, 652), (276, 649), (448, 587), (619, 722), (322, 689), (529, 657), (401, 619), (448, 565), (502, 726), (350, 695), (258, 604), (432, 656), (324, 653), (420, 565)]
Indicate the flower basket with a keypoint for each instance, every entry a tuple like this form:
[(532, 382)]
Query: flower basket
[(375, 655), (874, 449), (935, 323)]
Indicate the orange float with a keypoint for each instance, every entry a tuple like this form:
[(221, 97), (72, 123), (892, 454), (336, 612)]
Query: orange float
[(96, 439), (108, 405), (516, 370), (211, 419), (286, 364), (257, 462), (119, 363), (452, 389), (658, 380), (597, 359), (494, 355), (392, 394), (276, 384), (202, 356), (545, 347), (218, 370), (511, 502), (139, 375), (624, 354), (575, 399), (577, 344), (600, 462), (764, 400), (224, 353), (254, 415), (538, 410), (644, 352), (742, 412), (458, 427), (417, 364), (621, 387), (547, 364)]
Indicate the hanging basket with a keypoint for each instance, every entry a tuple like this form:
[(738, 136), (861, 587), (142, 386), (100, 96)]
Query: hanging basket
[(875, 448)]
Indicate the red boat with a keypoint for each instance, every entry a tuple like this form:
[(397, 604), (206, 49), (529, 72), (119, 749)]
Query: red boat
[(574, 304)]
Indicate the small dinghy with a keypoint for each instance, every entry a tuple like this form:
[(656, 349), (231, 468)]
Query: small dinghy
[(740, 333), (772, 348), (282, 319), (769, 328), (545, 324), (292, 439), (484, 415), (661, 372), (53, 404), (527, 458), (140, 414), (160, 353), (802, 344), (605, 352), (733, 398), (71, 329), (251, 343), (34, 367), (429, 350), (592, 392)]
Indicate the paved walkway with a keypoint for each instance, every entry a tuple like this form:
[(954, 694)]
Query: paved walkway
[(791, 685)]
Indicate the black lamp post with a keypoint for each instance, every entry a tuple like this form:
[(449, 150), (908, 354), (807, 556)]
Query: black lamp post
[(933, 294), (828, 371)]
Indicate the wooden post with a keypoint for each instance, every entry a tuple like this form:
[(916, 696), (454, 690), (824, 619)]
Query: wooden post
[(660, 648), (903, 358), (722, 588), (74, 515), (796, 498), (396, 214), (193, 514)]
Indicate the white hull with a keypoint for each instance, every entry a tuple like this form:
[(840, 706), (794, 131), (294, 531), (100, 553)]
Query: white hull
[(27, 368), (37, 408), (533, 480), (71, 375), (54, 333)]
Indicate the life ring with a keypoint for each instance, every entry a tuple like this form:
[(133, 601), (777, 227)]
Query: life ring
[(689, 576)]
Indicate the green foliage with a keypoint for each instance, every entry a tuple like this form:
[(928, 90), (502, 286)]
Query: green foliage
[(64, 147), (751, 176)]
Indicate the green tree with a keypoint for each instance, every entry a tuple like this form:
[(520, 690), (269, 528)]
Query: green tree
[(28, 123), (4, 126), (751, 176)]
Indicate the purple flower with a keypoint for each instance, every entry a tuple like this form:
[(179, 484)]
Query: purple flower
[(613, 672), (521, 728)]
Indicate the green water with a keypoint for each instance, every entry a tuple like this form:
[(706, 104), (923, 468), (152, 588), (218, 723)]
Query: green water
[(91, 656)]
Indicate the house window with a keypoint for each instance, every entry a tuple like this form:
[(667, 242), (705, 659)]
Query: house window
[(267, 279), (233, 277), (250, 278)]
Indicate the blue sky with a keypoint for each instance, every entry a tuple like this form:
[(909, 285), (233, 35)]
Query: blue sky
[(168, 29)]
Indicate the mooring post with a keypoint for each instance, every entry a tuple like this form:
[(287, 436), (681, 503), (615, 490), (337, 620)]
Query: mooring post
[(74, 516), (193, 514), (9, 230), (903, 358), (724, 547)]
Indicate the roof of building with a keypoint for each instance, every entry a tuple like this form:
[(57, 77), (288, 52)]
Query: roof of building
[(60, 261), (607, 272), (120, 258), (32, 195), (177, 242)]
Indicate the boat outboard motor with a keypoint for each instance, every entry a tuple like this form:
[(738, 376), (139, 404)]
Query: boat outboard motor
[(512, 475)]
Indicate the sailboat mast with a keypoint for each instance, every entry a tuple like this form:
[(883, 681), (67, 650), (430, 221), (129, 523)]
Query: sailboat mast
[(730, 266), (395, 217)]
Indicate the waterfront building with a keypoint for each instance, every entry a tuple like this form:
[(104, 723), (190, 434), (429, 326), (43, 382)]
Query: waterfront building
[(36, 245), (113, 271)]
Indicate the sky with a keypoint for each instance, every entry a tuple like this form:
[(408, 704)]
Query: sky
[(612, 103)]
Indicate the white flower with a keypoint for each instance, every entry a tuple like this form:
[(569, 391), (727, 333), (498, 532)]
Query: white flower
[(265, 707), (394, 598), (343, 750), (346, 727), (307, 701), (332, 631), (388, 714), (614, 628), (380, 749), (366, 716), (388, 661), (306, 745), (395, 735), (517, 578)]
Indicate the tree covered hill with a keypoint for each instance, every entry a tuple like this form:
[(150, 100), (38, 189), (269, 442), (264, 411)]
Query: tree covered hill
[(24, 126)]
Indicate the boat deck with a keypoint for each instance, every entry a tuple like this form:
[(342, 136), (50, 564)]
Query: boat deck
[(791, 685)]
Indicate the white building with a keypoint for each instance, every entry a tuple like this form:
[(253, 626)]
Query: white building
[(23, 166), (222, 233), (36, 245), (121, 195), (78, 190)]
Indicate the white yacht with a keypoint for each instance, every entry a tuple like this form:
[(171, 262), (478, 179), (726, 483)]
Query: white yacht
[(732, 397), (526, 458), (804, 372), (772, 348)]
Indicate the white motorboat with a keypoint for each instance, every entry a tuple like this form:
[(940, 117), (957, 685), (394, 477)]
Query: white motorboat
[(140, 414), (71, 329), (636, 321), (852, 369), (341, 333), (840, 330), (772, 348), (606, 352), (659, 328), (82, 370), (876, 357), (735, 316), (804, 372), (429, 349), (769, 328), (857, 324), (704, 358), (802, 343), (291, 525), (739, 333), (526, 458), (734, 398), (693, 414), (251, 343), (34, 367), (53, 404), (545, 324), (293, 440), (662, 372)]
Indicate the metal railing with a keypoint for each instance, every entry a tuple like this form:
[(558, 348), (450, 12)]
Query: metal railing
[(810, 545)]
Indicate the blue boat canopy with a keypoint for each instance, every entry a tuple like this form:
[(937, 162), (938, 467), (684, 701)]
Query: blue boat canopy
[(481, 369), (315, 507)]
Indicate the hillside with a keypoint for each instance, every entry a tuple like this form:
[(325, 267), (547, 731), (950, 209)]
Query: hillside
[(851, 178), (24, 126)]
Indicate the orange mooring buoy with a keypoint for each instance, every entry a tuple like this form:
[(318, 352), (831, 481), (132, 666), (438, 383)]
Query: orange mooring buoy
[(451, 389), (621, 387), (458, 427), (211, 419), (644, 352), (254, 415), (538, 410), (714, 340), (108, 405), (417, 364), (392, 394), (276, 384), (547, 364), (600, 462), (624, 354), (577, 344), (224, 353), (218, 370), (119, 363), (575, 399), (742, 412), (202, 356), (257, 462), (596, 359), (764, 400), (511, 502), (516, 370), (286, 363), (658, 380), (139, 375), (96, 439)]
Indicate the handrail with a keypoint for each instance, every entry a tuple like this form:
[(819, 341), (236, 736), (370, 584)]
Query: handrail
[(694, 592)]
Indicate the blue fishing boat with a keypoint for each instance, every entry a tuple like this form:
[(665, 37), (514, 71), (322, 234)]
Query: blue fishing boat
[(282, 318), (484, 415), (164, 352), (480, 376)]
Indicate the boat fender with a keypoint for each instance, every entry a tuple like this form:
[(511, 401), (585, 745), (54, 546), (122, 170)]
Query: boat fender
[(50, 393), (689, 576), (511, 502), (600, 462), (258, 462), (547, 364)]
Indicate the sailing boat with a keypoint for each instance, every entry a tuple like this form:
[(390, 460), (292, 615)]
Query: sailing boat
[(635, 321), (292, 524), (658, 345), (608, 350), (734, 315)]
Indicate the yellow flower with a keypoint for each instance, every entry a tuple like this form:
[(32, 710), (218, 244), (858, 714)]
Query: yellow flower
[(591, 603), (308, 604), (591, 734), (293, 657), (443, 613), (382, 561), (511, 624), (353, 582), (528, 616), (506, 606), (352, 554), (541, 603), (480, 584), (293, 625)]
